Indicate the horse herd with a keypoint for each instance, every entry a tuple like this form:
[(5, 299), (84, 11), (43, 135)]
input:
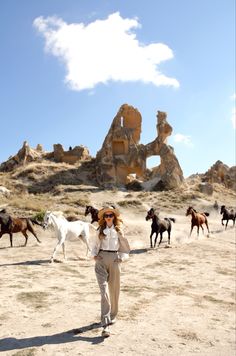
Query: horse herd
[(64, 228)]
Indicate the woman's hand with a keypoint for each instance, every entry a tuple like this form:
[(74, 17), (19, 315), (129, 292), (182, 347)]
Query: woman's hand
[(97, 258), (118, 259)]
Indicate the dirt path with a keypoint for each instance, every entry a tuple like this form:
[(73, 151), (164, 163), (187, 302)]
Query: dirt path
[(174, 301)]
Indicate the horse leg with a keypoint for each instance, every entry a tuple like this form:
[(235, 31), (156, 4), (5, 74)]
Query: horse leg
[(191, 230), (197, 230), (61, 240), (222, 222), (26, 237), (85, 239), (226, 224), (155, 241), (33, 232), (202, 229), (206, 223), (10, 234), (160, 238), (151, 239), (169, 231), (64, 250)]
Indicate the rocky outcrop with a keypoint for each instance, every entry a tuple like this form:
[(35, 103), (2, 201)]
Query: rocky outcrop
[(221, 173), (25, 155), (121, 154), (73, 155), (121, 159)]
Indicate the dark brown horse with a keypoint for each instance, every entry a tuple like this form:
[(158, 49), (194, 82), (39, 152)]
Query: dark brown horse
[(227, 215), (198, 219), (10, 225), (159, 226), (94, 213)]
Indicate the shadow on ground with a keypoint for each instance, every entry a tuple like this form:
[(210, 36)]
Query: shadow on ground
[(11, 343)]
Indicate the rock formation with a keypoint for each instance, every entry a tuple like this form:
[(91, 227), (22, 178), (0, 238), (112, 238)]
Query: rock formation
[(76, 154), (27, 154), (121, 154), (221, 173)]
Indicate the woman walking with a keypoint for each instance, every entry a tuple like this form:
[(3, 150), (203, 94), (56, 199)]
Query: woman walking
[(110, 248)]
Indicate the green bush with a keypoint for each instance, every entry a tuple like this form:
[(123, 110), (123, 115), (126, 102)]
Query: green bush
[(39, 216)]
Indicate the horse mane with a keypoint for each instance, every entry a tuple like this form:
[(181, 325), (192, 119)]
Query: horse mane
[(58, 214)]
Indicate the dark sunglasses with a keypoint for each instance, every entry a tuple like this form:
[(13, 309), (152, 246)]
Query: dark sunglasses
[(108, 215)]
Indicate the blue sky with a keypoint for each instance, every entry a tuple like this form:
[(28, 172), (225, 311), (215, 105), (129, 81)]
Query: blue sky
[(64, 83)]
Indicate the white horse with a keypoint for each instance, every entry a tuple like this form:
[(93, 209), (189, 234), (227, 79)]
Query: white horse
[(65, 229)]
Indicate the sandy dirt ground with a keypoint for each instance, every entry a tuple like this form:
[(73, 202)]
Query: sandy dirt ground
[(174, 301)]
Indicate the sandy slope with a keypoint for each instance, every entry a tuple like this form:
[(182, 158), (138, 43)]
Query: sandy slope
[(174, 301)]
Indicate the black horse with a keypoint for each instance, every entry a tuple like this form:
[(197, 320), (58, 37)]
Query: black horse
[(159, 226), (94, 213), (227, 215)]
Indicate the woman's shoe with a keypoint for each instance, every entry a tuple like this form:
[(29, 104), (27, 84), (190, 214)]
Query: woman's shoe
[(106, 332)]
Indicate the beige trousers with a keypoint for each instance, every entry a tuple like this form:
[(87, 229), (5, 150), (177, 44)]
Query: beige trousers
[(108, 277)]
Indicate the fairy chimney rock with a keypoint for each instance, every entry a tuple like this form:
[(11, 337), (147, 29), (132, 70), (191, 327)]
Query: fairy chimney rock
[(163, 127), (122, 155)]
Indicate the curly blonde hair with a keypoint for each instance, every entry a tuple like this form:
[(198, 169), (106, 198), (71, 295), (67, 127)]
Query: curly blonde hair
[(117, 222)]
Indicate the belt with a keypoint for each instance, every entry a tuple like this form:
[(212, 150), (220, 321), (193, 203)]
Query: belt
[(108, 250)]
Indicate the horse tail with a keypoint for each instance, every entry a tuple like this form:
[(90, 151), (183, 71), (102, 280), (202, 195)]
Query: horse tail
[(172, 219), (205, 213)]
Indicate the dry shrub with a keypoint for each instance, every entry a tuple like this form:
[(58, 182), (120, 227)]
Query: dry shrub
[(35, 299), (129, 203), (26, 352), (129, 195), (29, 203), (144, 195)]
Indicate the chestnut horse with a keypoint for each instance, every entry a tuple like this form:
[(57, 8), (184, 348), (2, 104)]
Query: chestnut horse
[(10, 225), (198, 219)]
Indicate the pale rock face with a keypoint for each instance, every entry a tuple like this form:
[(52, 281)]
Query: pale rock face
[(25, 155), (221, 173), (121, 154), (73, 155)]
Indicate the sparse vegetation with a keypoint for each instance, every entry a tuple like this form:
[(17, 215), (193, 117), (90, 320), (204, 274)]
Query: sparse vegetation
[(35, 299), (129, 203), (39, 216)]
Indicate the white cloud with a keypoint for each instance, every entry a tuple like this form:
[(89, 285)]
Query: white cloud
[(103, 51), (186, 140), (233, 115)]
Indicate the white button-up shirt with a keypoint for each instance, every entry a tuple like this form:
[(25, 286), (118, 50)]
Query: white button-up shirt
[(109, 242)]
